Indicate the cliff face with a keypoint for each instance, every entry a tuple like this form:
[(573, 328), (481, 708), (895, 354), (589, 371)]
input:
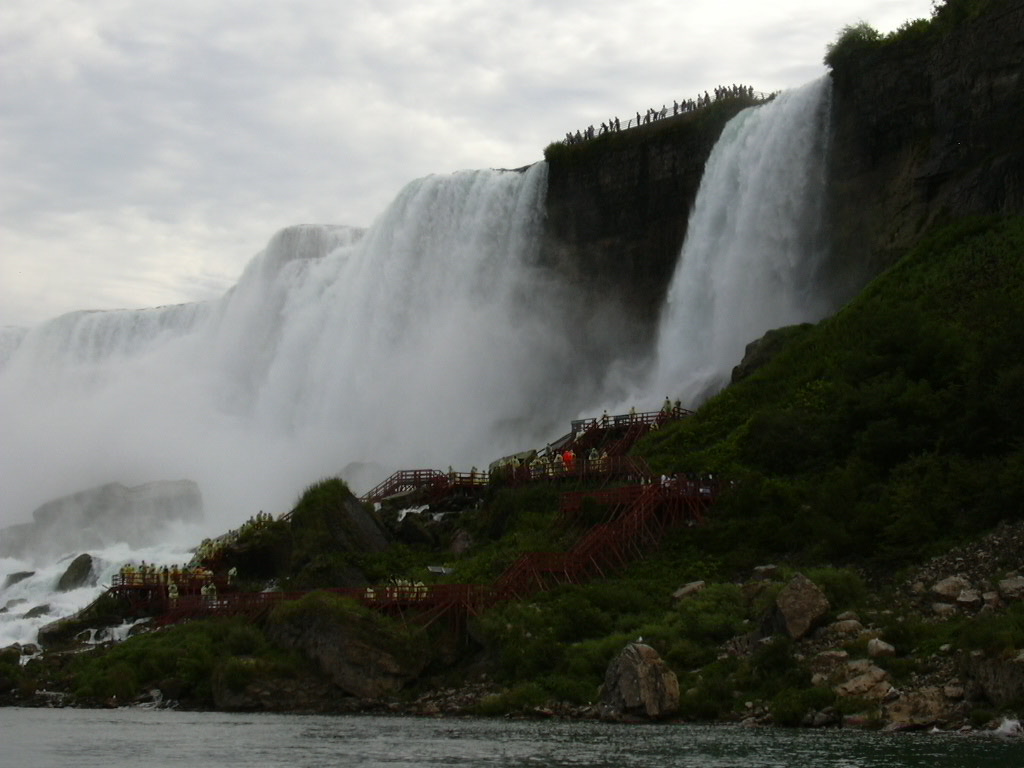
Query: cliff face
[(925, 130), (618, 206), (922, 130)]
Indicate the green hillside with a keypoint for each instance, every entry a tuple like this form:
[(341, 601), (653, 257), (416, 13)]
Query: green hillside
[(885, 432)]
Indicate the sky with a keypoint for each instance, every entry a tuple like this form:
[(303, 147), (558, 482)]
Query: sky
[(149, 149)]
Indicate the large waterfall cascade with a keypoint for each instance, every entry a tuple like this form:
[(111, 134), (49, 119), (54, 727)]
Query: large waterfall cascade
[(754, 246), (435, 337)]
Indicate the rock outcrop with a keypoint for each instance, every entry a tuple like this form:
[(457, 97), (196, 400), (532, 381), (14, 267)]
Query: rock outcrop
[(924, 130), (101, 516), (617, 212), (1001, 680), (800, 606), (363, 654), (639, 685), (78, 574)]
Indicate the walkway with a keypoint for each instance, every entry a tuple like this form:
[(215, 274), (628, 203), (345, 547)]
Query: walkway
[(635, 518)]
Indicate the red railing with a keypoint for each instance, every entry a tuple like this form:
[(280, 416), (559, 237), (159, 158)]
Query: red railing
[(637, 517)]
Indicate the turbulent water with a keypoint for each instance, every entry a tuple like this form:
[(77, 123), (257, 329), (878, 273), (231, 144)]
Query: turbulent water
[(754, 244), (433, 338), (123, 738)]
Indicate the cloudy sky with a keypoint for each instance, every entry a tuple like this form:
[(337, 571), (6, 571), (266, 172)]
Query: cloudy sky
[(149, 149)]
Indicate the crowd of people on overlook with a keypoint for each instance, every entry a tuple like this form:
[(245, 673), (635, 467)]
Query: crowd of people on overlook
[(652, 114), (196, 576)]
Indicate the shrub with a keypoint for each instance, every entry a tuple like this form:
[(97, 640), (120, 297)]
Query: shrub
[(852, 41), (521, 698), (790, 706), (844, 587)]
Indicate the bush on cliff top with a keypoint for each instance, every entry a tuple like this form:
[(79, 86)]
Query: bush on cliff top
[(854, 40)]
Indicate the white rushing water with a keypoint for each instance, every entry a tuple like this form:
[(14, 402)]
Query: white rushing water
[(433, 338), (754, 244)]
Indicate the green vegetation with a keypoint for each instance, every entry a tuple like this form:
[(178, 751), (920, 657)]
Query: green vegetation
[(883, 434), (856, 40), (185, 661)]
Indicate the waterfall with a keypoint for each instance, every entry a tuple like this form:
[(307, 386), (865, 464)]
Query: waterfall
[(754, 244), (432, 338), (435, 337)]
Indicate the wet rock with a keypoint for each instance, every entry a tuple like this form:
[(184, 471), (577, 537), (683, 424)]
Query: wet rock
[(35, 613), (639, 684), (78, 574), (800, 606), (99, 516), (18, 576)]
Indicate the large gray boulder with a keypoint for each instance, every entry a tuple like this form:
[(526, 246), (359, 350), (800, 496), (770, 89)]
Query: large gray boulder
[(101, 516), (363, 654), (639, 685), (800, 606), (78, 574), (1001, 679)]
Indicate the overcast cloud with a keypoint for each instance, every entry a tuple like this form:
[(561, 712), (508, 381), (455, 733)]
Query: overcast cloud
[(149, 149)]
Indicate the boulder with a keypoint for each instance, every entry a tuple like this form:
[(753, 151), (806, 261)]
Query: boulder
[(800, 606), (35, 613), (13, 603), (362, 653), (766, 573), (944, 610), (1012, 588), (969, 600), (878, 648), (918, 709), (1001, 680), (14, 578), (949, 589), (688, 589), (639, 684), (992, 601), (846, 627), (461, 542), (864, 680), (78, 574)]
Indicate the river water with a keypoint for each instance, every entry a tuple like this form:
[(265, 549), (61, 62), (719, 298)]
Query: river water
[(70, 738)]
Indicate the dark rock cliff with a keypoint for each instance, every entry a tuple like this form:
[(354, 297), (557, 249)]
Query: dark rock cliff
[(923, 129), (926, 129), (617, 210)]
